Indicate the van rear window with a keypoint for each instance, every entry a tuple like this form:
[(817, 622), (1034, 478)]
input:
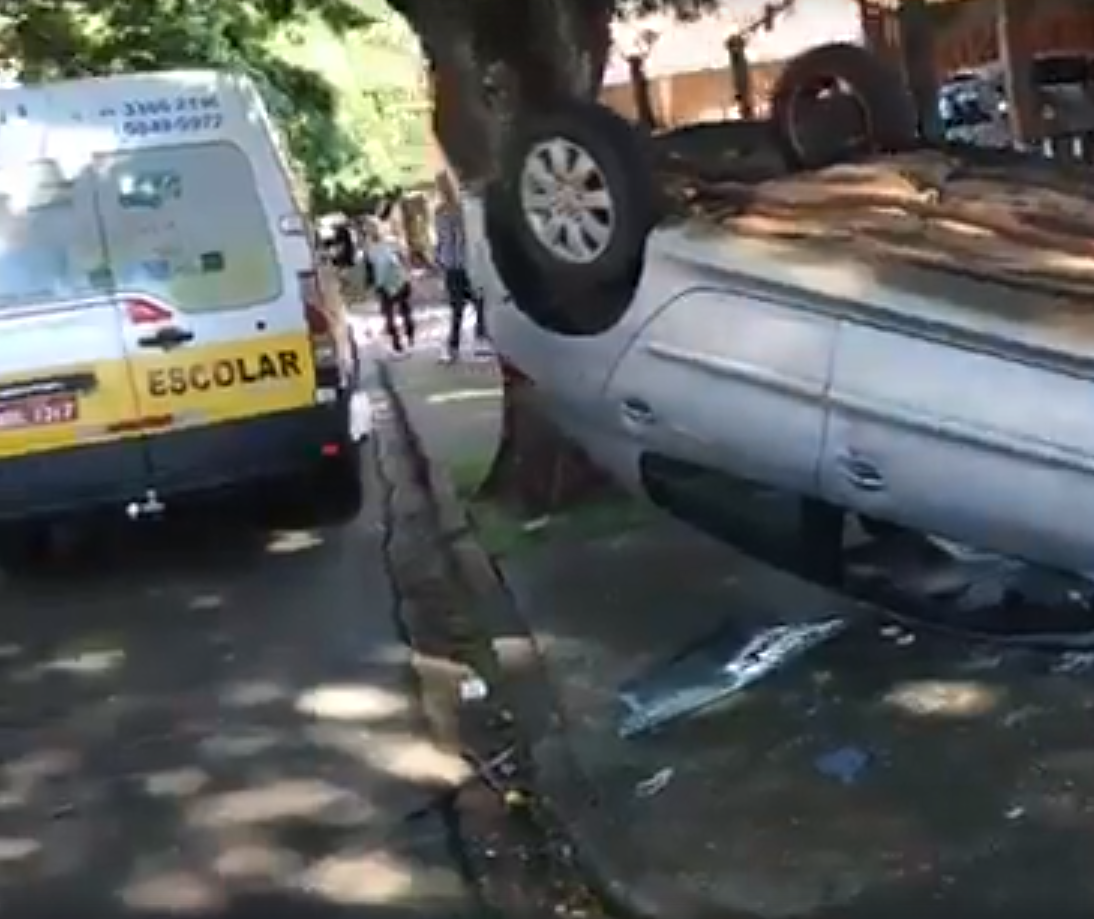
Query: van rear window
[(187, 224), (50, 245)]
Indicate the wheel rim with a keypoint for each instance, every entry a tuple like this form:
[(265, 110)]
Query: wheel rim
[(566, 201)]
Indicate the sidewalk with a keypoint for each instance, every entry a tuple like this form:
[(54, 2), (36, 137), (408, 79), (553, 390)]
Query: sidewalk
[(455, 410), (884, 774)]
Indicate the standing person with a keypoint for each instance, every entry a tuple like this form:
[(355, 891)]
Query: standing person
[(392, 283), (452, 259)]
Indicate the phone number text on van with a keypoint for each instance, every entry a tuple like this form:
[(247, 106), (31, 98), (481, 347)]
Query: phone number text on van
[(180, 124), (169, 105), (170, 115)]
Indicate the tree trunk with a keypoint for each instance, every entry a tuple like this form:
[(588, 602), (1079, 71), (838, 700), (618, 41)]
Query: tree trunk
[(640, 90), (536, 470), (1022, 104), (741, 74), (492, 61), (917, 48)]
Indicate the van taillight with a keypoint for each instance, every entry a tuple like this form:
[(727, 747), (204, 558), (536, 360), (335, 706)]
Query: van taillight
[(324, 348)]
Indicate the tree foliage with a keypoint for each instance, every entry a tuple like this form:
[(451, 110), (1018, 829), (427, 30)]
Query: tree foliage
[(341, 75), (492, 59)]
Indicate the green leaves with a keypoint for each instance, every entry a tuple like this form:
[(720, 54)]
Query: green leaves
[(342, 76), (376, 140)]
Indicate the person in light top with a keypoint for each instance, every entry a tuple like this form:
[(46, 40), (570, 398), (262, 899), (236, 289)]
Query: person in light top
[(391, 280)]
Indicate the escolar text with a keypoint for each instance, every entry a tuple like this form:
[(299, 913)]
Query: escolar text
[(227, 373)]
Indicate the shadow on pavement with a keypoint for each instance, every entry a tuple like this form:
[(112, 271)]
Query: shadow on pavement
[(887, 770), (210, 717)]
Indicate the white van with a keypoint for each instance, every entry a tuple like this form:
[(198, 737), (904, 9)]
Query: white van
[(165, 330)]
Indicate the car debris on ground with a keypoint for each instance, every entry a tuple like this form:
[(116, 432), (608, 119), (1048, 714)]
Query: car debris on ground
[(718, 667)]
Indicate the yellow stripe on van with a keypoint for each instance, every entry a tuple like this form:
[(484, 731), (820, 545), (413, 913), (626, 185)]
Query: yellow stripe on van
[(106, 403), (226, 382), (155, 392)]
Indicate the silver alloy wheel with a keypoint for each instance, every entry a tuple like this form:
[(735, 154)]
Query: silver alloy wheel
[(566, 201)]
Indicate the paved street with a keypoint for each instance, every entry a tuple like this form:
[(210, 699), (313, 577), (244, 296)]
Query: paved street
[(215, 718)]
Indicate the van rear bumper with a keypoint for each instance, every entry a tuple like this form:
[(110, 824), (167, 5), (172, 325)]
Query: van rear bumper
[(179, 465)]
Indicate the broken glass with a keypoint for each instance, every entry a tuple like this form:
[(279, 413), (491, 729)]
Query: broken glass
[(715, 669)]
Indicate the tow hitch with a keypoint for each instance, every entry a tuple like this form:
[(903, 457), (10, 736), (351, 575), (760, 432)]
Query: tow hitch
[(149, 506)]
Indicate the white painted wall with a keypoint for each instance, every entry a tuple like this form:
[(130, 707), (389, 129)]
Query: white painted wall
[(693, 46)]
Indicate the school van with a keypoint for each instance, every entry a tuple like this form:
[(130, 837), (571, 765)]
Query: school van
[(165, 328)]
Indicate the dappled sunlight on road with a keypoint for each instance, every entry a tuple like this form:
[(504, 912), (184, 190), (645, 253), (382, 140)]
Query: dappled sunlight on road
[(179, 893), (277, 801), (255, 791), (252, 693), (359, 703), (15, 850), (364, 878), (185, 782), (192, 722), (289, 541), (410, 757), (85, 663), (945, 698)]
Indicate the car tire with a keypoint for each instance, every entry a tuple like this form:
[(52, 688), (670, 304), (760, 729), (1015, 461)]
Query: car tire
[(576, 196), (882, 103), (25, 549), (590, 310)]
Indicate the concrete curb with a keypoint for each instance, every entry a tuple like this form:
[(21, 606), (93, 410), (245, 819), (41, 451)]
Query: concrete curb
[(566, 792)]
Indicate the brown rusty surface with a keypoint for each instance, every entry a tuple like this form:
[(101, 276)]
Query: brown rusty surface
[(1001, 219)]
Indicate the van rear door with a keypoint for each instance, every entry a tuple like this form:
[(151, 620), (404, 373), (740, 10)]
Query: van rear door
[(69, 429), (214, 320)]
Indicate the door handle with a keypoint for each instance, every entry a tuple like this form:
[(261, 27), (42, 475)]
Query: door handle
[(637, 411), (861, 473), (166, 338)]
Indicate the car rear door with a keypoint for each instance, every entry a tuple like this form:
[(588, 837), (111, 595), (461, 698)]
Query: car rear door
[(214, 318), (69, 419)]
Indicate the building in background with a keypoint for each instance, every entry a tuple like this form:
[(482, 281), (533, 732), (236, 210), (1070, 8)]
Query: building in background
[(966, 32), (688, 64)]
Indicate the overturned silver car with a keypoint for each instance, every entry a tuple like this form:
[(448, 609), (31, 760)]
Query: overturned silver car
[(905, 339)]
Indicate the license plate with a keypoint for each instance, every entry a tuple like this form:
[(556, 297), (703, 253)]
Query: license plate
[(43, 411)]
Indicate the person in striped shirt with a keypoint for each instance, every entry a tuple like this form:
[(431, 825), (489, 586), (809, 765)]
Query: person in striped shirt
[(451, 257)]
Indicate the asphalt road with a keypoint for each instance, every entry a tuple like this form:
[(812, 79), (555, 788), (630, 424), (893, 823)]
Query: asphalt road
[(212, 717)]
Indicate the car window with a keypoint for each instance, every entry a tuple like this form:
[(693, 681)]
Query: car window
[(187, 224), (1054, 71), (50, 244)]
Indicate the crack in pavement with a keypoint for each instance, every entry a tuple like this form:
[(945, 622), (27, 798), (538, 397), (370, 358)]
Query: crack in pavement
[(387, 463)]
